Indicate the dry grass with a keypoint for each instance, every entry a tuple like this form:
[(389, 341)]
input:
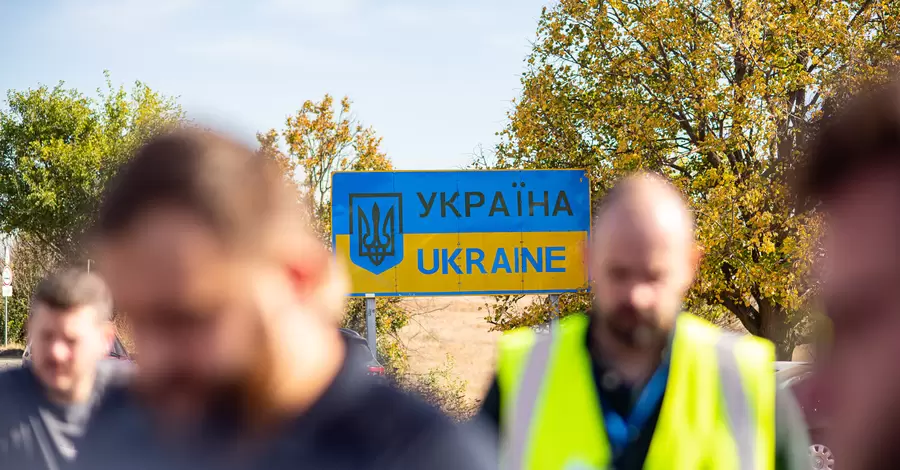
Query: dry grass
[(454, 326), (12, 346), (123, 330), (450, 325)]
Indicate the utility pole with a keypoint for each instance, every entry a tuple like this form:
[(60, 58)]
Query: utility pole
[(7, 292)]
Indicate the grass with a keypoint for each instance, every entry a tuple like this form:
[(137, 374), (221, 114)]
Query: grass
[(452, 326)]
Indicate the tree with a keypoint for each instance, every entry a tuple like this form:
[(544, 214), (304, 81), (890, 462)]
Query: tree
[(719, 96), (318, 142), (57, 149), (31, 260)]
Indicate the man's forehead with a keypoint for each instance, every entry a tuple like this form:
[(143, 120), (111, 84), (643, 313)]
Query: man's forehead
[(177, 284), (43, 314), (649, 228), (190, 265)]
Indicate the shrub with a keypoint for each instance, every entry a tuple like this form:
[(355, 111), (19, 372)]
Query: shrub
[(440, 387)]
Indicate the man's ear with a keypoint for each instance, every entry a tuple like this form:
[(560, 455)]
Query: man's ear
[(585, 256), (306, 269), (586, 252), (300, 277), (695, 258)]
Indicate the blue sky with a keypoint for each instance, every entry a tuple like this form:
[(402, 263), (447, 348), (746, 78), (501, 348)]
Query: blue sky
[(435, 79)]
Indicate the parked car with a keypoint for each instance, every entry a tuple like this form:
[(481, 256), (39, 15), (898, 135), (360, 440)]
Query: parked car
[(360, 354), (811, 397), (781, 366), (116, 351)]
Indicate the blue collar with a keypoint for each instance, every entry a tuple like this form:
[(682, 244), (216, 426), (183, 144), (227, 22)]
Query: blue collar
[(622, 430)]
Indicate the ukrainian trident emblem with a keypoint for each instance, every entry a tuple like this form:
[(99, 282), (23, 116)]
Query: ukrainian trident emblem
[(376, 231)]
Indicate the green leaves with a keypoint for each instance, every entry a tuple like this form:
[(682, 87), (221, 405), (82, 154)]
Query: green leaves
[(57, 149)]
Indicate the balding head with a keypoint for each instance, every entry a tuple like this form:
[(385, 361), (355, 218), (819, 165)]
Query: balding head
[(642, 256), (650, 198)]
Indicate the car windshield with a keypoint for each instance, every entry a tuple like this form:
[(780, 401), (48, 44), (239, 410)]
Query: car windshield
[(118, 350), (789, 377)]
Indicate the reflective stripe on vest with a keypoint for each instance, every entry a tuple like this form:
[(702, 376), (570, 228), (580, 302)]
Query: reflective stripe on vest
[(517, 429), (741, 421), (728, 428)]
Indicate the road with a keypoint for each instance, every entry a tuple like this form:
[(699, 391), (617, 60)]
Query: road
[(8, 363)]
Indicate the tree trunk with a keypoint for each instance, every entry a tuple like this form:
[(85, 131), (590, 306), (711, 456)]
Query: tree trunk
[(775, 328)]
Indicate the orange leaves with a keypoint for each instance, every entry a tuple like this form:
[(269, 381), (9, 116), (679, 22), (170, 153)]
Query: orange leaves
[(321, 138)]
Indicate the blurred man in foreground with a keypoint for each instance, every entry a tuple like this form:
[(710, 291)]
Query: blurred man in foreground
[(46, 406), (853, 173), (234, 306), (634, 384)]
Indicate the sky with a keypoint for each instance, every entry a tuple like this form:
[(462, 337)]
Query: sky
[(434, 78)]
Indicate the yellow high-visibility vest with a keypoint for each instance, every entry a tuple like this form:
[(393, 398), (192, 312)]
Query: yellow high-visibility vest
[(718, 411)]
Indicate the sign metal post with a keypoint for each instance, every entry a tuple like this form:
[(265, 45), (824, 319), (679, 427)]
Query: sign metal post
[(370, 323), (554, 301)]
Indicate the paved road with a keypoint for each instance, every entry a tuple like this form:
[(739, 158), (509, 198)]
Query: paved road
[(8, 363)]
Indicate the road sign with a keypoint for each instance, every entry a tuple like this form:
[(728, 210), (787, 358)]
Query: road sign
[(462, 232), (7, 291), (7, 276)]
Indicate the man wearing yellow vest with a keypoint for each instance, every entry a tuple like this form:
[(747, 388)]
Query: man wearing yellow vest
[(634, 384)]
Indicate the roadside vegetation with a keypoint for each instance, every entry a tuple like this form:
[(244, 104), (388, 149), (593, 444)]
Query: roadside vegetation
[(58, 146)]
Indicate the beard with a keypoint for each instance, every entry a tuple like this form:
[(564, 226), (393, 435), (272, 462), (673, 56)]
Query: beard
[(632, 327), (189, 396), (188, 400)]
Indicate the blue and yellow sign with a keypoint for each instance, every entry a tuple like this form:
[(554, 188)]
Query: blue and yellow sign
[(462, 232)]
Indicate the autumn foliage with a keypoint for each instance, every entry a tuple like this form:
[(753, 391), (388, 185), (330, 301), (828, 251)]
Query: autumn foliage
[(321, 138), (719, 96)]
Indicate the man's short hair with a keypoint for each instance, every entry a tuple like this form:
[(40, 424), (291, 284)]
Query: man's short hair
[(225, 184), (245, 199), (72, 288), (863, 134)]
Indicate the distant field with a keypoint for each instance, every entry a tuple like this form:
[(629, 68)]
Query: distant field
[(455, 326), (439, 326)]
